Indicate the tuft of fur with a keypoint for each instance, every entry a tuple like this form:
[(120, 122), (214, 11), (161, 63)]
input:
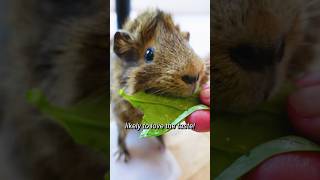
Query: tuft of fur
[(256, 45), (173, 59)]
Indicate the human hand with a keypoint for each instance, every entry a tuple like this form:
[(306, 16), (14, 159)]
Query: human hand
[(304, 107), (304, 113), (201, 118)]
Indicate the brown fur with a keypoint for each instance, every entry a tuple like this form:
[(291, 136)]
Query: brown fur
[(241, 80), (173, 59)]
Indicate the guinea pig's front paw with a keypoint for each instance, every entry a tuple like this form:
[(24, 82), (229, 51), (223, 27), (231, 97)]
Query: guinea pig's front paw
[(122, 154)]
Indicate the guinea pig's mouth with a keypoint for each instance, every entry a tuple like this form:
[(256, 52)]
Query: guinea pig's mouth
[(195, 88), (269, 90)]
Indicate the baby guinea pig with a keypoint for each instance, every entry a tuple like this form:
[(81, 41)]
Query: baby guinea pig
[(256, 45), (151, 54)]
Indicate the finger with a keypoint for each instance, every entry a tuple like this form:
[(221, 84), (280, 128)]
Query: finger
[(304, 107), (205, 95), (309, 127), (293, 166), (306, 102), (201, 119), (309, 80)]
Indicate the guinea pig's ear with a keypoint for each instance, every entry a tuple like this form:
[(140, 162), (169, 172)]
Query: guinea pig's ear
[(124, 46), (186, 35)]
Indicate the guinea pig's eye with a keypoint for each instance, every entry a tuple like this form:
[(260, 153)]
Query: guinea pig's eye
[(149, 55)]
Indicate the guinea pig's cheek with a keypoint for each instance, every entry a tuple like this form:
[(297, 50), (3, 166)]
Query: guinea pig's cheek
[(183, 90)]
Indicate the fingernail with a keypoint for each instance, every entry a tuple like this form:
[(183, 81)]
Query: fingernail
[(206, 86), (306, 101), (308, 80)]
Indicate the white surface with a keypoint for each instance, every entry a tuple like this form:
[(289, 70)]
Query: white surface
[(148, 161)]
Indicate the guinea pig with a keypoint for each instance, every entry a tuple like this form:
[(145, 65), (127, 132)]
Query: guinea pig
[(151, 54), (256, 45)]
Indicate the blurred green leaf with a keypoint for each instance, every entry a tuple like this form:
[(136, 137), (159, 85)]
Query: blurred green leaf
[(107, 177), (221, 160), (235, 134), (248, 161), (86, 122), (162, 110)]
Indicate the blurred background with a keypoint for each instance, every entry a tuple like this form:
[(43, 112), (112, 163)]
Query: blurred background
[(188, 153), (4, 31)]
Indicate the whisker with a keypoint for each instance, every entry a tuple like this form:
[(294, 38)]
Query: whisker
[(159, 91)]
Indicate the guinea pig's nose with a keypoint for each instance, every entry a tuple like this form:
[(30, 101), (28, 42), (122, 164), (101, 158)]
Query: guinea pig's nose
[(190, 79)]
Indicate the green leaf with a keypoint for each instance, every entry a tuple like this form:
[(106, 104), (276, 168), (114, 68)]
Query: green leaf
[(86, 122), (107, 177), (162, 110), (235, 134), (221, 160), (178, 120), (249, 161)]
